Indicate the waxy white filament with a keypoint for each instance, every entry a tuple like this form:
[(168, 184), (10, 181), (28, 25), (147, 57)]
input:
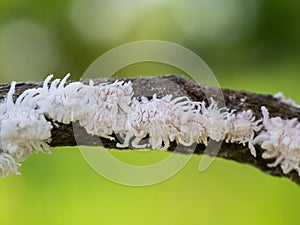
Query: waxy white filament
[(110, 108)]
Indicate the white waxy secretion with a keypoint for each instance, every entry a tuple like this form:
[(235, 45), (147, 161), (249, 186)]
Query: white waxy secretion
[(281, 140), (110, 108)]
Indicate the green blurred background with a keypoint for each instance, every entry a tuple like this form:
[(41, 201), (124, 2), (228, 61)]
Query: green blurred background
[(249, 44)]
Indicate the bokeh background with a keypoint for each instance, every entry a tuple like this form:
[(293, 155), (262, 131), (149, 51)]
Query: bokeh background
[(249, 44)]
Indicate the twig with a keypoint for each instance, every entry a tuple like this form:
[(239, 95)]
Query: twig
[(63, 135)]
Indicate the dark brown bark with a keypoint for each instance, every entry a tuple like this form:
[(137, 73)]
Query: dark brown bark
[(64, 135)]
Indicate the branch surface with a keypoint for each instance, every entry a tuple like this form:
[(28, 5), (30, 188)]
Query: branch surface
[(65, 134)]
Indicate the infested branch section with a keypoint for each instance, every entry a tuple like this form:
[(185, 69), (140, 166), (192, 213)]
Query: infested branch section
[(63, 134)]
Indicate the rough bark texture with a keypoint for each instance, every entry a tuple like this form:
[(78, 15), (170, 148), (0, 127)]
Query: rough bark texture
[(73, 134)]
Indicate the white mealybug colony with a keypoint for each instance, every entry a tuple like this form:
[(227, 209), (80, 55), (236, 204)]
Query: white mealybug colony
[(164, 120), (280, 139), (23, 130), (110, 108), (242, 127)]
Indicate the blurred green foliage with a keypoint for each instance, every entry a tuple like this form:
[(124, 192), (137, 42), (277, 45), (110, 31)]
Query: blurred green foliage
[(250, 44)]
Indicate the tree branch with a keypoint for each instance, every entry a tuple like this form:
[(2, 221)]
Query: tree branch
[(63, 135)]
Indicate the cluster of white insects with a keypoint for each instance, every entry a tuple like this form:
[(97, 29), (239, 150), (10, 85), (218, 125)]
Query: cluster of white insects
[(280, 139), (22, 131), (110, 108)]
